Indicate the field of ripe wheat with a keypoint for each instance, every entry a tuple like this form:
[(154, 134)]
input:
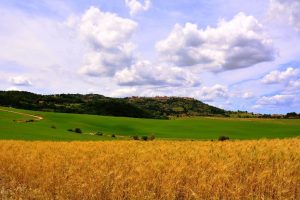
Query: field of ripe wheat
[(264, 169)]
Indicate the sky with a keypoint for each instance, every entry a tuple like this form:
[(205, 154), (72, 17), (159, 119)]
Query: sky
[(237, 55)]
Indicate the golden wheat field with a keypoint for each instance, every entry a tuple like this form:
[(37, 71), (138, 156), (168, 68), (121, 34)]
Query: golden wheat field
[(264, 169)]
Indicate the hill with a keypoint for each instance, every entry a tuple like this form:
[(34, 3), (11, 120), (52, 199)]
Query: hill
[(55, 126), (175, 106), (138, 107)]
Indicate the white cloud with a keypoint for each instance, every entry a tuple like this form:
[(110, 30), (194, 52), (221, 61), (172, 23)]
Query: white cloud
[(146, 73), (247, 95), (105, 63), (212, 93), (135, 6), (108, 36), (123, 92), (276, 100), (294, 85), (105, 29), (287, 10), (238, 43), (256, 107), (35, 42), (13, 88), (280, 76), (20, 81)]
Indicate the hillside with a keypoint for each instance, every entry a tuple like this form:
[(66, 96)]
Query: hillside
[(55, 127), (138, 107), (175, 106)]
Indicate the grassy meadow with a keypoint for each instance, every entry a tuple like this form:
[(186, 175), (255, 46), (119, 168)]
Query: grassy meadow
[(189, 128), (262, 169)]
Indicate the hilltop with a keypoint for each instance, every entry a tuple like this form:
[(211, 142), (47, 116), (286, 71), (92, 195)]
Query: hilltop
[(138, 107), (175, 106)]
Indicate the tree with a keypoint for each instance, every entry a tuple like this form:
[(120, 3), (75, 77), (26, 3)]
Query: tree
[(292, 115)]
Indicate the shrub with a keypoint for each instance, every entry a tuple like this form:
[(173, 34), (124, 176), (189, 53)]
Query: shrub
[(223, 138), (145, 138), (30, 120), (71, 130), (135, 137), (152, 137), (77, 130), (54, 127), (113, 135), (99, 133)]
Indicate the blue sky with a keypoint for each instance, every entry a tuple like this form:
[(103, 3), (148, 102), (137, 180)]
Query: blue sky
[(232, 54)]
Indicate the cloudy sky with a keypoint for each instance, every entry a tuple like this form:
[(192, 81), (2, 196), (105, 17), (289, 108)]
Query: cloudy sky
[(229, 53)]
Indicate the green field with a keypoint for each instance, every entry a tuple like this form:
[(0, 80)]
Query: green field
[(189, 128)]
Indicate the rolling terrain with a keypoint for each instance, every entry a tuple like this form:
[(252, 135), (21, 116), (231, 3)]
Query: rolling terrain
[(95, 104), (54, 126)]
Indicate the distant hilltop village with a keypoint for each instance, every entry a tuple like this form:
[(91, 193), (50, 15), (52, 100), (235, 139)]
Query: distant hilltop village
[(163, 98)]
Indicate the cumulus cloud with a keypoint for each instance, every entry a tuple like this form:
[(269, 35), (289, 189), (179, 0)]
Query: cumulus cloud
[(238, 43), (108, 36), (276, 100), (135, 6), (20, 81), (104, 29), (288, 10), (146, 73), (212, 93), (280, 76), (105, 63)]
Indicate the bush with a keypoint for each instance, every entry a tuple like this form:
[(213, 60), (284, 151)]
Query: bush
[(77, 130), (71, 130), (223, 138), (99, 133), (113, 135), (30, 120), (152, 137), (54, 127), (135, 137), (145, 138)]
